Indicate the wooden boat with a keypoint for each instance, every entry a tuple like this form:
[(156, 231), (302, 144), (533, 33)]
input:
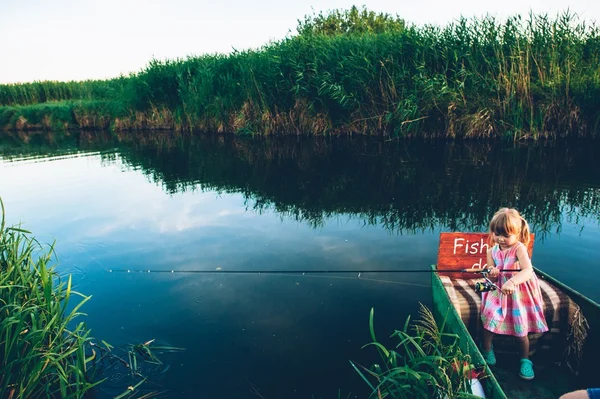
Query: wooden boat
[(557, 366)]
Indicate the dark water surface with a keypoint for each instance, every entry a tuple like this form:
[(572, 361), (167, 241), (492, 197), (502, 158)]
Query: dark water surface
[(166, 202)]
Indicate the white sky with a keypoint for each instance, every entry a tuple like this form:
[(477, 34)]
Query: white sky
[(99, 39)]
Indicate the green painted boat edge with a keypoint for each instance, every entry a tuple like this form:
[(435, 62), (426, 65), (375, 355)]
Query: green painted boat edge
[(576, 296), (451, 321)]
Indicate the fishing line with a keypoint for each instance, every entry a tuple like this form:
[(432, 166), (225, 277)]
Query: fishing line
[(362, 279), (290, 274), (388, 281)]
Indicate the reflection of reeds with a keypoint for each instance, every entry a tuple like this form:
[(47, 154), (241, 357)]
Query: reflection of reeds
[(522, 78), (405, 186), (426, 363)]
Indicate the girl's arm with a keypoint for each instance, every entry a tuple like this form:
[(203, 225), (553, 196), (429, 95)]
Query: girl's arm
[(490, 264), (526, 267)]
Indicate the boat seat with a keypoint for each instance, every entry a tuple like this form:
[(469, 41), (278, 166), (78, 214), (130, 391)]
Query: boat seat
[(559, 311)]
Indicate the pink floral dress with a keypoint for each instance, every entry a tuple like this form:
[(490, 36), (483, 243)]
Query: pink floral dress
[(518, 313)]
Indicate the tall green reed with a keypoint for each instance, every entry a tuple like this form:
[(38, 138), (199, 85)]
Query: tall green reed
[(426, 363), (45, 352), (42, 347)]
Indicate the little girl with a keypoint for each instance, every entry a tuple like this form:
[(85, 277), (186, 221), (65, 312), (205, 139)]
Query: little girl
[(517, 309)]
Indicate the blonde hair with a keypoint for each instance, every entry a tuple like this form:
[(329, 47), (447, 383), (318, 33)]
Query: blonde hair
[(509, 221)]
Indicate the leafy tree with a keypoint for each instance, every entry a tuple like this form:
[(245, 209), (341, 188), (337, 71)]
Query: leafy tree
[(352, 21)]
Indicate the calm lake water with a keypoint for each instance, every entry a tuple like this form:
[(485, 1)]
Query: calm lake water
[(163, 202)]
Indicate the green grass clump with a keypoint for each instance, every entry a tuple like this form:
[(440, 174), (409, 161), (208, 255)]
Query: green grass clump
[(62, 115), (426, 363), (42, 347)]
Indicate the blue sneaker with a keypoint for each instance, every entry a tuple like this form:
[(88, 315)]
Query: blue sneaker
[(489, 356), (526, 371)]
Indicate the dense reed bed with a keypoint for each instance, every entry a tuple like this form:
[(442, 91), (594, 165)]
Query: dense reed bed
[(356, 72), (41, 92)]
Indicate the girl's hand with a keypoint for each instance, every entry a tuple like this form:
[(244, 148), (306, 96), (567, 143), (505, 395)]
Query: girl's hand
[(508, 287), (494, 271)]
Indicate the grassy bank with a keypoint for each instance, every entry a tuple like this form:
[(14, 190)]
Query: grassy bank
[(353, 72)]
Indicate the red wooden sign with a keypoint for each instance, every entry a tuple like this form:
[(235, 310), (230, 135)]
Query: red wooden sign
[(465, 251)]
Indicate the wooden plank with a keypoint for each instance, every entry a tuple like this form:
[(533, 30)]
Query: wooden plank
[(465, 251)]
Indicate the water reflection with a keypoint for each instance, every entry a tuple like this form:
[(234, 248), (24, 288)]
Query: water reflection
[(405, 186), (158, 201)]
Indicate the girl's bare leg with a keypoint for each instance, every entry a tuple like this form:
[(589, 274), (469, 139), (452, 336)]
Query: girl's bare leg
[(523, 347), (488, 336)]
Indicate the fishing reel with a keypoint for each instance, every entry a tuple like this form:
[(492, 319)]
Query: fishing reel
[(484, 286), (487, 285)]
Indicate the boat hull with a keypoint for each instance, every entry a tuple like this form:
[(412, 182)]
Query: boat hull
[(501, 383)]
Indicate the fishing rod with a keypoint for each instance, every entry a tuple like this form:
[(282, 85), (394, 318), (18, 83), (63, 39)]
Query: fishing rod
[(480, 286), (219, 270)]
